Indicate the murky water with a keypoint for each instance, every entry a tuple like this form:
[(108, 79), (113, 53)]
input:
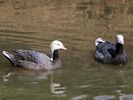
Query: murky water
[(77, 23)]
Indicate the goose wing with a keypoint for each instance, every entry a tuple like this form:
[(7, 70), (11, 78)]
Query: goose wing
[(32, 56), (105, 50)]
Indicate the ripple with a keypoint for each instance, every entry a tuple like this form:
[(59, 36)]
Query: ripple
[(126, 97), (32, 39), (80, 97), (104, 97), (8, 76), (56, 88)]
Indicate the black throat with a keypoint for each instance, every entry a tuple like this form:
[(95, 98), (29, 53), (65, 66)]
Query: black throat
[(119, 48), (55, 55)]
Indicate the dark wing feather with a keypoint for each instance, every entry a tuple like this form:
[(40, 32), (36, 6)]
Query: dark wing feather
[(31, 56), (107, 49), (105, 52)]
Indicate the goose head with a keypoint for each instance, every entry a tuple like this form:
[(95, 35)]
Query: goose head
[(56, 45), (119, 44), (120, 39)]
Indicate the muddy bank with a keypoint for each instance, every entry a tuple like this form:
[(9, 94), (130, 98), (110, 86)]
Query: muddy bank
[(23, 14)]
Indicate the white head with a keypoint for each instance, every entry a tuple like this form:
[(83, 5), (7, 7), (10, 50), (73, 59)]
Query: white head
[(120, 39), (57, 45)]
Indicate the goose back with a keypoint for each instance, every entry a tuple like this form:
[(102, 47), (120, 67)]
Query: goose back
[(107, 52)]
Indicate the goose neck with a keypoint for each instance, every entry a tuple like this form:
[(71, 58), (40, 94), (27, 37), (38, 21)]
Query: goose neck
[(55, 55)]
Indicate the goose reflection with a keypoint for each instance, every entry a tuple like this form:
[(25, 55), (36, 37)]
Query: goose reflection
[(119, 78), (56, 88)]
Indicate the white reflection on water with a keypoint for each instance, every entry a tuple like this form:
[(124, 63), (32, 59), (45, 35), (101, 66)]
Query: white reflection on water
[(56, 88), (9, 75), (104, 97), (81, 97), (126, 97), (5, 77), (122, 97)]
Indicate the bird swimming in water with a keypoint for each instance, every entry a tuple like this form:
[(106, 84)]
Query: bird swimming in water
[(111, 53), (34, 60)]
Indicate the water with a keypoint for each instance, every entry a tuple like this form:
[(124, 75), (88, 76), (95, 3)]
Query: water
[(77, 23)]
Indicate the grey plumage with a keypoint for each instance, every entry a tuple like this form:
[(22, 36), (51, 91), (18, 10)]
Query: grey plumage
[(33, 56), (107, 52), (34, 60)]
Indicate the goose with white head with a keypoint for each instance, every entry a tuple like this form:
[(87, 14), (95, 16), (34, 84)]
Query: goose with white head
[(111, 53), (34, 60)]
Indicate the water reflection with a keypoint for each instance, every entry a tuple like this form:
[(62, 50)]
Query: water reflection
[(119, 74), (80, 97), (6, 77), (11, 75), (104, 97), (56, 88), (120, 82), (44, 75), (34, 24), (126, 97)]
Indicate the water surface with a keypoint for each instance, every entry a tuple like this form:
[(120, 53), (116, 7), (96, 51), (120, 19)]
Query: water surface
[(77, 23)]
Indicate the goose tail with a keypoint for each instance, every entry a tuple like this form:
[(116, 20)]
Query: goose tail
[(98, 41), (10, 57)]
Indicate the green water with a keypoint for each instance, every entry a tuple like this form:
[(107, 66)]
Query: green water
[(34, 24)]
